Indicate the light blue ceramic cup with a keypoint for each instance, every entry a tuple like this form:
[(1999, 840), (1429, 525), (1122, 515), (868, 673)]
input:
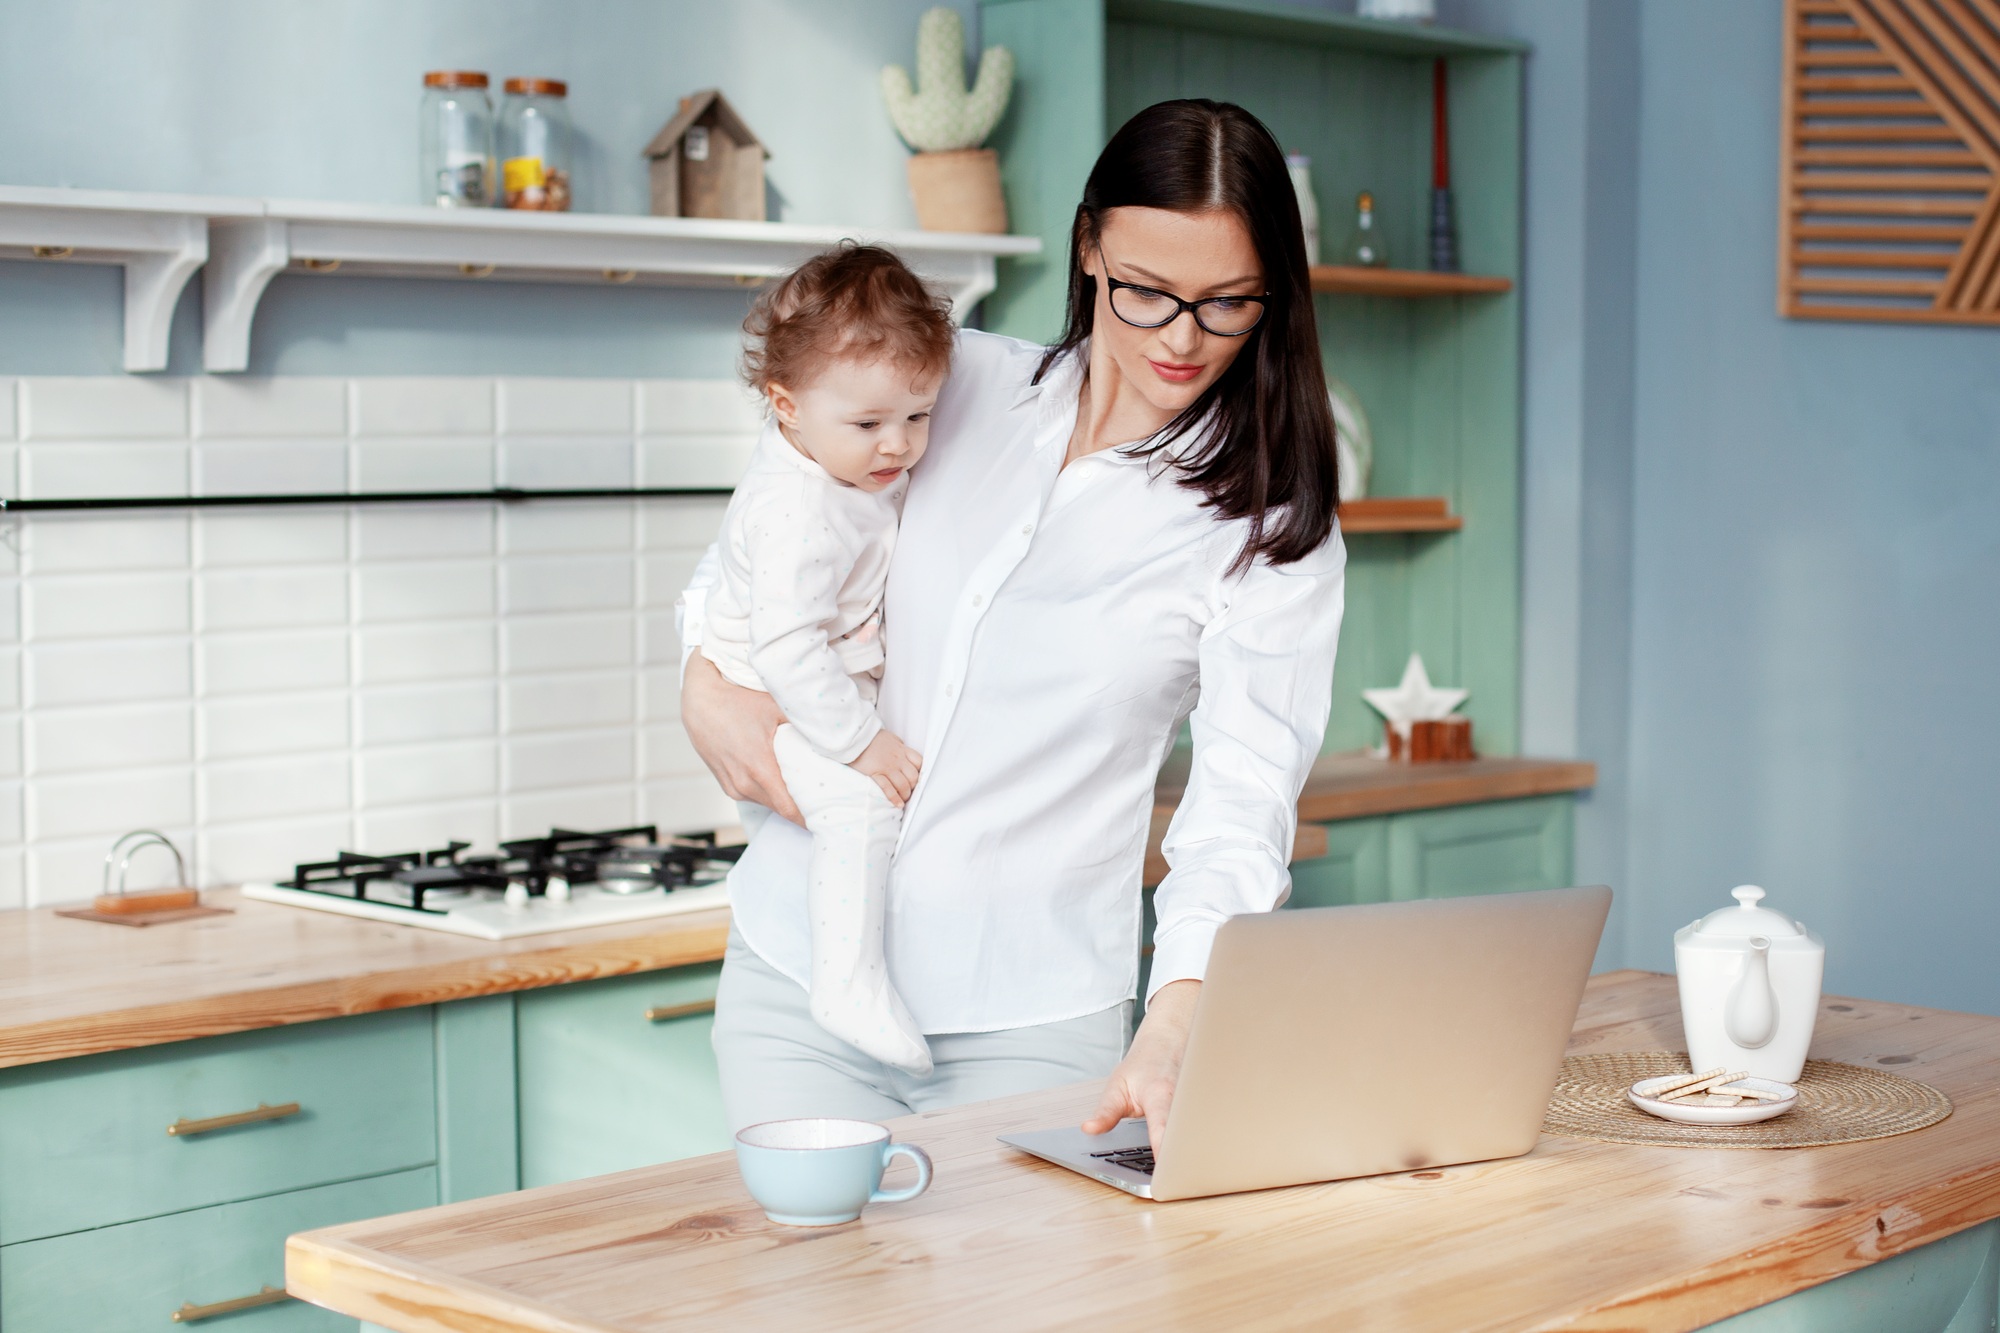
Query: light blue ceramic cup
[(820, 1173)]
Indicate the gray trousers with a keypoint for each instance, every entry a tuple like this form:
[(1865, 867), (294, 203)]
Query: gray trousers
[(777, 1064)]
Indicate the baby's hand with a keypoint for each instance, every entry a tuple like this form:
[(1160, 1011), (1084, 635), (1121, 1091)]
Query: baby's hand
[(892, 764)]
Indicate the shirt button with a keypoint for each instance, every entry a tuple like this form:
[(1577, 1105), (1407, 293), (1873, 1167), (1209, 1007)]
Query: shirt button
[(977, 600), (950, 690), (1028, 530)]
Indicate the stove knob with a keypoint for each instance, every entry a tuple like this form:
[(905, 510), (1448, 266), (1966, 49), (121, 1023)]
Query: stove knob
[(517, 895), (558, 890)]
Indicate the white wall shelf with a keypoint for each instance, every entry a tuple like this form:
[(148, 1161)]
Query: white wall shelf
[(162, 239), (159, 240)]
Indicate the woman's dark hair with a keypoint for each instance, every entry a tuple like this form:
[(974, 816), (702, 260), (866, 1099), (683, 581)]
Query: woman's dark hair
[(1267, 454)]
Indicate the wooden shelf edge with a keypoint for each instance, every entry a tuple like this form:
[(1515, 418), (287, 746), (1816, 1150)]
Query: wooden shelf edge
[(1398, 513), (1437, 786), (1353, 281)]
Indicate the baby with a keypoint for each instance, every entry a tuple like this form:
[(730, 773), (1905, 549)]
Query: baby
[(849, 351)]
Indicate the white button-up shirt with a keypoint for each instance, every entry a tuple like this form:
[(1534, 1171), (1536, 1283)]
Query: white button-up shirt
[(1048, 628)]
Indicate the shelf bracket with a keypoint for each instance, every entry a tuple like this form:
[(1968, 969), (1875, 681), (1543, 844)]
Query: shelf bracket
[(153, 284), (244, 255)]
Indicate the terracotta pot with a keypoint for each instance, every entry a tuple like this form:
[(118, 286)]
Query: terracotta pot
[(958, 191)]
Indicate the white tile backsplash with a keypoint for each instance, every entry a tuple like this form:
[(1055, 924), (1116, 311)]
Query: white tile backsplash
[(573, 583), (428, 713), (423, 465), (70, 543), (72, 674), (105, 606), (104, 407), (273, 685), (267, 407), (274, 724), (261, 537), (109, 803), (423, 406), (280, 598), (566, 407), (698, 407), (239, 664), (93, 740), (270, 468), (294, 784), (75, 471)]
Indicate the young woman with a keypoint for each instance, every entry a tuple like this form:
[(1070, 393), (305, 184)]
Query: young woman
[(1129, 528)]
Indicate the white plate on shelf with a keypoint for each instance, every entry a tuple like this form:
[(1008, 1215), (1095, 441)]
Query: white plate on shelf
[(1748, 1113)]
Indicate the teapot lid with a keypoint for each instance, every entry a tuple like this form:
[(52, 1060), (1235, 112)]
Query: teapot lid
[(1747, 918)]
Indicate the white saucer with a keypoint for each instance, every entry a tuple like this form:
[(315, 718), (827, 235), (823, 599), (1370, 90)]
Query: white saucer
[(1744, 1114)]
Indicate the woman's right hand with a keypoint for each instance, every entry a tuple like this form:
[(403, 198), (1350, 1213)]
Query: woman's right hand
[(731, 728)]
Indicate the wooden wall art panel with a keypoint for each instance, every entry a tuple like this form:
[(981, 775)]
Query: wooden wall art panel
[(1891, 151)]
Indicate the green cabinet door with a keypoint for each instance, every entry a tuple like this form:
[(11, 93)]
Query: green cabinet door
[(1500, 847), (137, 1277), (1355, 868), (616, 1074)]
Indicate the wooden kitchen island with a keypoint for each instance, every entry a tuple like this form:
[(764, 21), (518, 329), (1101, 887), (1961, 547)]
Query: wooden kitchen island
[(1576, 1235)]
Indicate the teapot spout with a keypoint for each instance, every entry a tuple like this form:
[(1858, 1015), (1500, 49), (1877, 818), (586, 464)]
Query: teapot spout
[(1751, 1018)]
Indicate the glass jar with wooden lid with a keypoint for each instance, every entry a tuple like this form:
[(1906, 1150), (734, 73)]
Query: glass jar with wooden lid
[(455, 140), (535, 145)]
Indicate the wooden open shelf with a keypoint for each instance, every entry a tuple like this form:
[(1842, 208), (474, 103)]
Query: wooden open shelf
[(1404, 282), (1398, 513)]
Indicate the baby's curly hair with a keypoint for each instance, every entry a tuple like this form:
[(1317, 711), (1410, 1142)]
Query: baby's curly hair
[(856, 302)]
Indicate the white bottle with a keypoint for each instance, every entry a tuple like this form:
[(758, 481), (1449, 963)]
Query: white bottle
[(1300, 167)]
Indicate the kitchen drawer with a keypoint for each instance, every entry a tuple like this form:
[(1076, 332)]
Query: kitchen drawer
[(84, 1143), (603, 1087), (134, 1277)]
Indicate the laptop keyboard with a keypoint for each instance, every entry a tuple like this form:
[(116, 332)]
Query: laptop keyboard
[(1136, 1159)]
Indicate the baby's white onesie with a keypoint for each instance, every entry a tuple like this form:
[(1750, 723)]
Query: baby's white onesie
[(797, 613)]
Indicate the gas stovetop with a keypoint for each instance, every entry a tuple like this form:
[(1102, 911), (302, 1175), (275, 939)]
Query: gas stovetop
[(563, 881)]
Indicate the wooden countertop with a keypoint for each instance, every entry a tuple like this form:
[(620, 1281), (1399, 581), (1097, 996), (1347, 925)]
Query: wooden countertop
[(70, 987), (1353, 784), (1576, 1235)]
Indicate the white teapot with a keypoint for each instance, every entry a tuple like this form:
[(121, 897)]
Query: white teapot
[(1749, 981)]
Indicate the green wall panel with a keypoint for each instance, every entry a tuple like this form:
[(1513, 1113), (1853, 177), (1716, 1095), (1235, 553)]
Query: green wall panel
[(1948, 1286)]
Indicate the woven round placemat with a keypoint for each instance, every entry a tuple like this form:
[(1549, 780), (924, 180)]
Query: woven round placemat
[(1837, 1104)]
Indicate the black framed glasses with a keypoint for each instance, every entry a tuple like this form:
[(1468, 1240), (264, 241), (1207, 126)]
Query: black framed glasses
[(1150, 308)]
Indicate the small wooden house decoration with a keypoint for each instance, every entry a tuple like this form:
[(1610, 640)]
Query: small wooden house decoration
[(706, 163)]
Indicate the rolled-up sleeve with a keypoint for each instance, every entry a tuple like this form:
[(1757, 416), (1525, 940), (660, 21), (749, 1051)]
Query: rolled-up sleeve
[(1266, 663), (691, 607)]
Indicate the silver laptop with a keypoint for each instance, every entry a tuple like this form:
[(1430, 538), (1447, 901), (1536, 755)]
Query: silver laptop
[(1332, 1042)]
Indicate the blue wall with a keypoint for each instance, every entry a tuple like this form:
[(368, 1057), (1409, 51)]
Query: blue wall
[(1815, 566), (287, 99), (1763, 564)]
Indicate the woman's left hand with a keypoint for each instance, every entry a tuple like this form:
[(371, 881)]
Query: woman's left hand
[(1143, 1084)]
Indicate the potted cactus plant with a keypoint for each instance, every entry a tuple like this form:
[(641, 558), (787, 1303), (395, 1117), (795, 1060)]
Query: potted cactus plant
[(954, 181)]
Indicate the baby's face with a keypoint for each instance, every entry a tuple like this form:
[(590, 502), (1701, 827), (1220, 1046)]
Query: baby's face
[(865, 422)]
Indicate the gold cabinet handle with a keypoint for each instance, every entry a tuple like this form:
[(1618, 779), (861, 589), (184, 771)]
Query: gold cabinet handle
[(660, 1013), (189, 1311), (184, 1127)]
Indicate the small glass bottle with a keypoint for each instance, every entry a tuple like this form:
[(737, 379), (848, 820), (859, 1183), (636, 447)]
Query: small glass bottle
[(455, 140), (1300, 167), (1365, 246), (535, 145)]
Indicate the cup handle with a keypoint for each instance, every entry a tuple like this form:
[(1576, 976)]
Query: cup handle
[(915, 1154)]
